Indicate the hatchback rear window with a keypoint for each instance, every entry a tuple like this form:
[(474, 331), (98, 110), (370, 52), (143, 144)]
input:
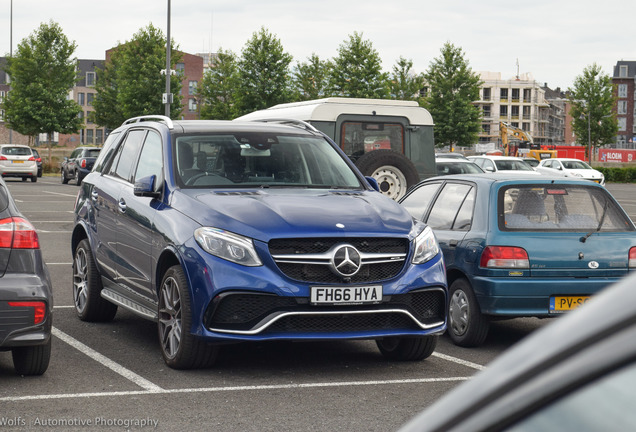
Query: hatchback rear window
[(559, 208), (16, 151)]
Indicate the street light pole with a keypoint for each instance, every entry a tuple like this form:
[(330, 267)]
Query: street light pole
[(589, 135), (168, 95), (11, 55)]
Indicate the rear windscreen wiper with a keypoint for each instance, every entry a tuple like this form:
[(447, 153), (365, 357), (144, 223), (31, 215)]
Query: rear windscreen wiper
[(600, 224)]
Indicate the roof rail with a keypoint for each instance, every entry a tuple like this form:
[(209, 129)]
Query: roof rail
[(293, 122), (160, 118)]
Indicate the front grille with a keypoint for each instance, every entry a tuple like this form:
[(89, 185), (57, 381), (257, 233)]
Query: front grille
[(319, 271), (246, 311)]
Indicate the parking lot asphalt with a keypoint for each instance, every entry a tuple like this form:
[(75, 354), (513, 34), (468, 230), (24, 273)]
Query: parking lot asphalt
[(111, 376)]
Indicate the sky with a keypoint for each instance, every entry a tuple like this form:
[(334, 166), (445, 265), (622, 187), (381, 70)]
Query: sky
[(552, 40)]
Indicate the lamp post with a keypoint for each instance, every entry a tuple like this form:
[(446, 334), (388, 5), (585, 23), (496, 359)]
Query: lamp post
[(589, 135), (11, 55), (167, 97)]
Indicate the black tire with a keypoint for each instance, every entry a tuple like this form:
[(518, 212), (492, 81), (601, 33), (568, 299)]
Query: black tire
[(32, 360), (394, 172), (79, 180), (24, 179), (34, 179), (467, 326), (179, 348), (64, 178), (407, 349), (87, 286)]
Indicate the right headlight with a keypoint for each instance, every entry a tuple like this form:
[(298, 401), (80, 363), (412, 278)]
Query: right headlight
[(426, 247), (227, 245)]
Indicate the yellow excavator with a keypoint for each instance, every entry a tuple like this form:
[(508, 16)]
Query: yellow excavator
[(517, 142)]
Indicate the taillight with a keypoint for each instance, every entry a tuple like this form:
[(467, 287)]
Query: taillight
[(31, 158), (39, 309), (18, 233), (83, 163), (504, 257), (632, 257), (3, 158)]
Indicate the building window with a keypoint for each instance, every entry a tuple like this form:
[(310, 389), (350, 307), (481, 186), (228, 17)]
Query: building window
[(621, 107), (503, 111), (81, 114), (526, 113), (623, 71), (503, 94), (525, 127), (89, 98), (514, 111), (192, 104), (99, 136), (90, 117), (622, 90), (424, 92), (192, 87), (515, 95), (89, 136), (80, 98), (486, 111), (527, 95), (486, 96), (90, 79), (485, 128), (180, 67), (622, 124)]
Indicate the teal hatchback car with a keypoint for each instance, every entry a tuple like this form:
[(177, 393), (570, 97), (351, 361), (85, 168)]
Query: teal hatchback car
[(525, 246)]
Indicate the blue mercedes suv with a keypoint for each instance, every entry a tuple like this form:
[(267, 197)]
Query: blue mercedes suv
[(227, 231)]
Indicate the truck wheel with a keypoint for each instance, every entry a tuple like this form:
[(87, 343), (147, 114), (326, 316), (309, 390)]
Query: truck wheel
[(394, 172)]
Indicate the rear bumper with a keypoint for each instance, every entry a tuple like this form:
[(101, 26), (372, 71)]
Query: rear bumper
[(516, 297), (19, 170)]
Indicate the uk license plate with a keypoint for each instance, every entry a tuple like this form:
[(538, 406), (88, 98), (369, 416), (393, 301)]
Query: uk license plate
[(17, 161), (559, 304), (346, 295)]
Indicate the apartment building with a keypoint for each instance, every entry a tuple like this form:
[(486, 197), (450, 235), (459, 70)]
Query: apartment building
[(625, 91), (519, 101)]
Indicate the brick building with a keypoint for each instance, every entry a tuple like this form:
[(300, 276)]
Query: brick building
[(625, 92)]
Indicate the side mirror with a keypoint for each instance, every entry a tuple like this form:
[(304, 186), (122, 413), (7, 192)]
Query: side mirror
[(489, 169), (373, 183), (145, 187)]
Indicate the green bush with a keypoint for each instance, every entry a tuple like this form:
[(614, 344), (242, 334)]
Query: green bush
[(618, 174)]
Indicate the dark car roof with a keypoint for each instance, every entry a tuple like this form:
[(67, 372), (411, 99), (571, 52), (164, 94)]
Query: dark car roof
[(598, 336)]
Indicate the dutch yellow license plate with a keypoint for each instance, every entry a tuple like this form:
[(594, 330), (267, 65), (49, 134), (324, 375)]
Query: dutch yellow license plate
[(566, 303)]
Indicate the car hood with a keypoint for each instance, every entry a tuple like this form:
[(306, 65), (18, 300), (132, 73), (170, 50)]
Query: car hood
[(275, 213)]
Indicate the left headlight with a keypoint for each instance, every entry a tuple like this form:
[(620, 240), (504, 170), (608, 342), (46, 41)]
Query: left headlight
[(227, 245), (426, 247)]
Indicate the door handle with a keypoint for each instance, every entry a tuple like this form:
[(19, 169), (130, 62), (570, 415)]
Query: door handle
[(453, 243), (122, 205)]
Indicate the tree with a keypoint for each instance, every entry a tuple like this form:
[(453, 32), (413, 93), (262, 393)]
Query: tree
[(357, 70), (453, 89), (593, 100), (132, 84), (264, 75), (42, 74), (311, 78), (219, 89), (405, 85)]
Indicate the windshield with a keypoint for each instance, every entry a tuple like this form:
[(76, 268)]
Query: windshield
[(576, 165), (511, 164), (259, 160), (459, 167)]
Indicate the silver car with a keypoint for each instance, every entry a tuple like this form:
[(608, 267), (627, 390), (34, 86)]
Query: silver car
[(18, 161)]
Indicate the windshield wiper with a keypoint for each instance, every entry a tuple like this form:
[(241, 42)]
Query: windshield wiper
[(600, 224)]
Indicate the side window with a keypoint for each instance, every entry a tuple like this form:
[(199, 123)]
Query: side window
[(126, 156), (75, 153), (150, 160), (418, 201), (448, 205), (479, 162), (107, 152)]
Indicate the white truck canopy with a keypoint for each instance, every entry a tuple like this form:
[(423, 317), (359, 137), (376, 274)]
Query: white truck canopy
[(329, 109)]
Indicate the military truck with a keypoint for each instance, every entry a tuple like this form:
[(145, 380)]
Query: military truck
[(389, 140)]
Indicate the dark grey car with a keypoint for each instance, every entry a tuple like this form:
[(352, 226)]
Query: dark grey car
[(577, 374), (26, 301)]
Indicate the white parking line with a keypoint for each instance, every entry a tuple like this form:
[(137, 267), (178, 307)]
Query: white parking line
[(105, 361), (236, 388), (459, 361)]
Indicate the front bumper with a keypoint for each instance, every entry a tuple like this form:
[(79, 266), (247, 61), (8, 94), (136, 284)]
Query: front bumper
[(236, 303)]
